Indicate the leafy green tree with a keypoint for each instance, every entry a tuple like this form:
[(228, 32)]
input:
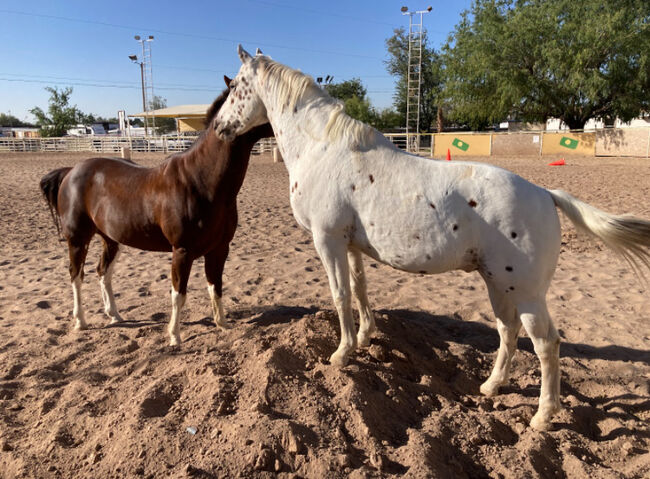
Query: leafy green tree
[(535, 59), (388, 119), (163, 125), (60, 115), (347, 89), (353, 95), (7, 119), (431, 87)]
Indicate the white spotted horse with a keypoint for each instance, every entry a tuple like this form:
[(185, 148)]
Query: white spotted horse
[(359, 194)]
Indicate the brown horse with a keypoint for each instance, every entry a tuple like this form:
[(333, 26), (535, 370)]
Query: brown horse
[(187, 205)]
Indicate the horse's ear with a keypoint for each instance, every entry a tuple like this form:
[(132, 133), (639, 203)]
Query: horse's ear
[(227, 80), (258, 52), (244, 56)]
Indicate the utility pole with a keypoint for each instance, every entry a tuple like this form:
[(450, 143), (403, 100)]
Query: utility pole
[(134, 59), (414, 78)]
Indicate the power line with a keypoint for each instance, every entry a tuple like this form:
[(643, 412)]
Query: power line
[(321, 12), (183, 34), (125, 84), (94, 80), (99, 85)]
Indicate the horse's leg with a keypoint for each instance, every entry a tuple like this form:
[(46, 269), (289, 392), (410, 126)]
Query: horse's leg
[(508, 325), (77, 250), (105, 272), (181, 266), (214, 263), (359, 289), (546, 341), (333, 254)]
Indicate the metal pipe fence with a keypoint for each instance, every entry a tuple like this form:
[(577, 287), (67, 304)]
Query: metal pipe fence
[(610, 142)]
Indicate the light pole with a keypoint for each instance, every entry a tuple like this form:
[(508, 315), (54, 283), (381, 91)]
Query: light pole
[(146, 76), (134, 59), (324, 82)]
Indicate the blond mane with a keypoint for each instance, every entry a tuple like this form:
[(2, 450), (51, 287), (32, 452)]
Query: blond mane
[(288, 86)]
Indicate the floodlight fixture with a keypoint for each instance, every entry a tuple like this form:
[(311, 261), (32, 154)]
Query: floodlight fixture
[(405, 9), (137, 37), (133, 58), (429, 8)]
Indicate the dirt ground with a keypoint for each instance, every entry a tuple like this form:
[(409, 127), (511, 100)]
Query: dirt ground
[(260, 399)]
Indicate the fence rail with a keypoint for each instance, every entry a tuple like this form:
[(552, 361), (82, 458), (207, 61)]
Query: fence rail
[(610, 142)]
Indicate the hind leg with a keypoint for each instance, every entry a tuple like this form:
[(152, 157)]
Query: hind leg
[(77, 251), (508, 325), (181, 266), (214, 263), (105, 271), (358, 281), (546, 341)]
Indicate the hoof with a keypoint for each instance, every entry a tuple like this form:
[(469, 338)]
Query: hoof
[(175, 341), (339, 360), (116, 318), (80, 326), (540, 422), (488, 389), (223, 325), (363, 340)]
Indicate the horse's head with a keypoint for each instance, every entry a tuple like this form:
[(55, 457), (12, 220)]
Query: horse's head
[(244, 109)]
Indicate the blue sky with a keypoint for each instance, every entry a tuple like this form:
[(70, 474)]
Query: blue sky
[(86, 44)]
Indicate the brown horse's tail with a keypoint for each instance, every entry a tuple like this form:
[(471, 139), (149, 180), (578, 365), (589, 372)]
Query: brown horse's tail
[(50, 185)]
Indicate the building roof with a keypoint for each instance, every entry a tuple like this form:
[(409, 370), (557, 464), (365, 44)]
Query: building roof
[(180, 111)]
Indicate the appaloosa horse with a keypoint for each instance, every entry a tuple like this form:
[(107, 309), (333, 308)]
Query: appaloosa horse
[(187, 205), (357, 193)]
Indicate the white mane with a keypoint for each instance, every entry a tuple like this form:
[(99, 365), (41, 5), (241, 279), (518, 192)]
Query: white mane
[(288, 86)]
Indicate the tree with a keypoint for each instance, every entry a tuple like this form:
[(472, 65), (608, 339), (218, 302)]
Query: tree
[(60, 116), (535, 59), (353, 95), (347, 89), (431, 87), (7, 119), (163, 125)]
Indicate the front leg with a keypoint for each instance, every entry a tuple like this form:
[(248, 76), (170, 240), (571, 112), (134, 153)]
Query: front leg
[(181, 266), (333, 253), (214, 263), (358, 278)]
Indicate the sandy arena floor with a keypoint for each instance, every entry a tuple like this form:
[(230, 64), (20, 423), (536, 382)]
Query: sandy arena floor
[(260, 399)]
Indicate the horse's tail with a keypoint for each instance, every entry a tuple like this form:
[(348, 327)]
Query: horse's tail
[(50, 184), (627, 236)]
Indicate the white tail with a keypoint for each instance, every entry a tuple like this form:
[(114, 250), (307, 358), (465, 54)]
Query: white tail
[(626, 235)]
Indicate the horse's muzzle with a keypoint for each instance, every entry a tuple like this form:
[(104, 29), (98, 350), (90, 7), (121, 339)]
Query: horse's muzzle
[(227, 132)]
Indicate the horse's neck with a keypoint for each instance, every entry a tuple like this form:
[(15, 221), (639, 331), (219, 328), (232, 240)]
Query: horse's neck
[(212, 163), (299, 130)]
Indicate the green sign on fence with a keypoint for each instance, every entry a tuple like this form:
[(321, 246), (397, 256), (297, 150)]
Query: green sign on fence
[(460, 144), (569, 142)]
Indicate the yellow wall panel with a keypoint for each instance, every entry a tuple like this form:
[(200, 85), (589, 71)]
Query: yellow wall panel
[(569, 144), (461, 145)]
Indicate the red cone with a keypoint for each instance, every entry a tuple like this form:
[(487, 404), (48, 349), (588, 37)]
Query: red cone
[(557, 163), (448, 155)]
